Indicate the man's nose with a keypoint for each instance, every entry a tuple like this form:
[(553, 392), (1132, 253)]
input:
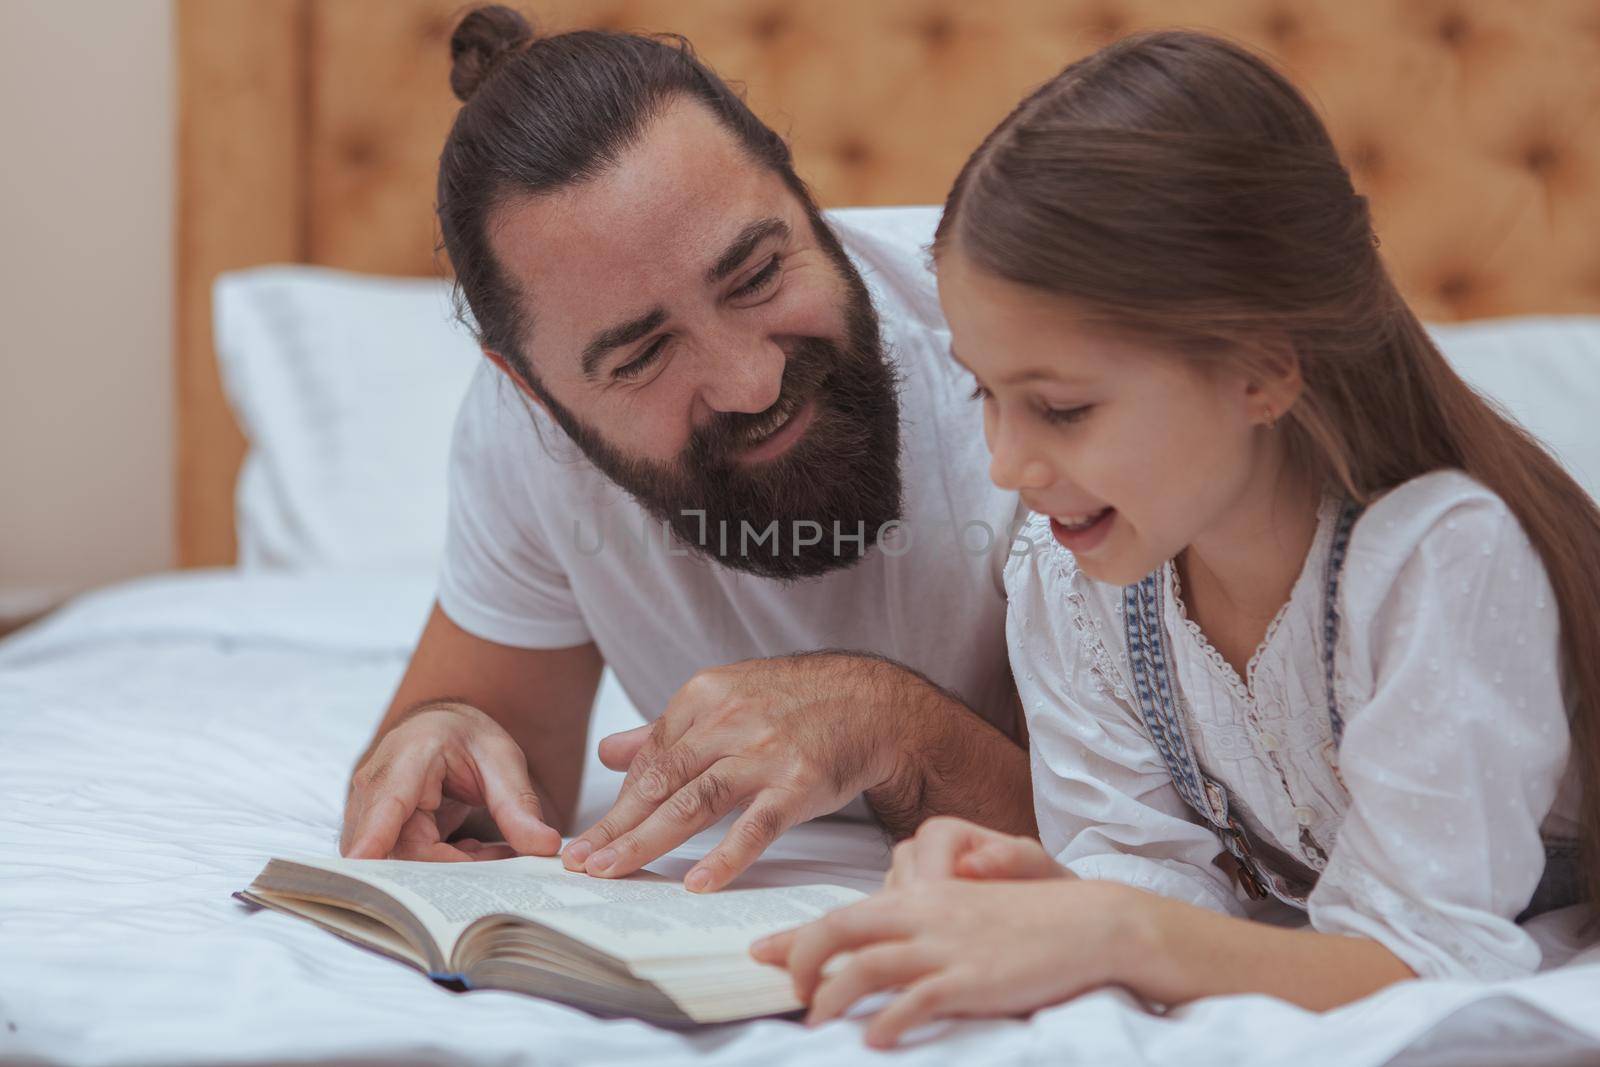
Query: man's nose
[(743, 376)]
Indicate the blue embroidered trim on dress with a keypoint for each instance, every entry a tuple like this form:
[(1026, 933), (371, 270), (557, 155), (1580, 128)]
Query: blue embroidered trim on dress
[(1159, 706)]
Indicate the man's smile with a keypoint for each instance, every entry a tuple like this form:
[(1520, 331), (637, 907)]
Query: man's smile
[(781, 438)]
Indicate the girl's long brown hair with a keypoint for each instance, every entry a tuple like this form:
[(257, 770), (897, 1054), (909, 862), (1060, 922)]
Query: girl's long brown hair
[(1175, 185)]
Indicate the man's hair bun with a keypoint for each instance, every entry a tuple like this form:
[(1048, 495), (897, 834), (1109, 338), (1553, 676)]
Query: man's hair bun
[(482, 39)]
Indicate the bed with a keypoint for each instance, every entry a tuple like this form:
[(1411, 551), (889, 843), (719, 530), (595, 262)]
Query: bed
[(160, 739)]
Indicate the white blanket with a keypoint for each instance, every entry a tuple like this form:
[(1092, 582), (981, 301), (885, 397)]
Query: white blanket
[(159, 741)]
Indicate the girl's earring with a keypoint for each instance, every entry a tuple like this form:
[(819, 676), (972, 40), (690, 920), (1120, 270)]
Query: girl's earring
[(1272, 420)]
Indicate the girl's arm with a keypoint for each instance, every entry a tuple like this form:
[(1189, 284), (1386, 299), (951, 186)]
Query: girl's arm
[(1169, 951), (955, 947), (1455, 741), (1183, 953)]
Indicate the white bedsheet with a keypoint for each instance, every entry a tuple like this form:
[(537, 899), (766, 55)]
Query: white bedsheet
[(160, 740)]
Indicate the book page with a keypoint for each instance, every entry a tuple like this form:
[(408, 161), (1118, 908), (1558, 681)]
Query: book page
[(353, 925), (643, 916), (681, 924)]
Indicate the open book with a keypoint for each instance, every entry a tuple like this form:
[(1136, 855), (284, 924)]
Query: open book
[(641, 946)]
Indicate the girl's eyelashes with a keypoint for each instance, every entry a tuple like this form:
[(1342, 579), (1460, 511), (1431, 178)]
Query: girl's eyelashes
[(1061, 416), (1054, 416), (763, 278)]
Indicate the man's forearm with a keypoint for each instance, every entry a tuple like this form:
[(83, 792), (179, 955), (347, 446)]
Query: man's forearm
[(952, 761)]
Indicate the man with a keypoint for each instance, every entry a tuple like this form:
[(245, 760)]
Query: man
[(691, 456)]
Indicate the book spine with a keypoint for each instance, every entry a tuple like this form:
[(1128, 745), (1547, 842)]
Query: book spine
[(450, 978)]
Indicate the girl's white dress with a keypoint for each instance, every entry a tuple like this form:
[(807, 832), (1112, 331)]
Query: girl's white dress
[(1455, 747)]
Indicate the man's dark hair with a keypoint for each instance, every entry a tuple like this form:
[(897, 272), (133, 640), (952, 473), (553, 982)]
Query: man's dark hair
[(543, 113)]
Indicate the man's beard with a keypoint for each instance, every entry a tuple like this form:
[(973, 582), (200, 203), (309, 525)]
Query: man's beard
[(843, 475)]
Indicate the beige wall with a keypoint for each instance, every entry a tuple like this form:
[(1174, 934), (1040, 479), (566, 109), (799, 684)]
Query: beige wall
[(86, 208)]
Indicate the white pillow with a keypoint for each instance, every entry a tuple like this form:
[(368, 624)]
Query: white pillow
[(1542, 371), (346, 387)]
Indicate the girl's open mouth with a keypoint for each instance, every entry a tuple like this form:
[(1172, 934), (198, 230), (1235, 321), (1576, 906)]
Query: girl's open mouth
[(1082, 533)]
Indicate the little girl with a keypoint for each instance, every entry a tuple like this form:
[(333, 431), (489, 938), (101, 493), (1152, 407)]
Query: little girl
[(1309, 627)]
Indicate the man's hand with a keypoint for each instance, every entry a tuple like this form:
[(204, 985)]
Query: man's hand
[(426, 774), (947, 847), (786, 739)]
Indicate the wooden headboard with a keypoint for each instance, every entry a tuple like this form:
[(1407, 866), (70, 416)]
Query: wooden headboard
[(310, 129)]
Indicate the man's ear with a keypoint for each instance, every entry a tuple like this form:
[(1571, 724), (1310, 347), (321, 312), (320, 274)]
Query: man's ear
[(516, 379)]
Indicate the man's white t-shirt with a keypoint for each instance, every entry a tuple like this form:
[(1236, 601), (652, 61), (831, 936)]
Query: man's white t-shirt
[(544, 551)]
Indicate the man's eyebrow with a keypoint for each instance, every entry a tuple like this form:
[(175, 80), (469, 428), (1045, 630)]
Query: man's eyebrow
[(739, 251), (624, 334)]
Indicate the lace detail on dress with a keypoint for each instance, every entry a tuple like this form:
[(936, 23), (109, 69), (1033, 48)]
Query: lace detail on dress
[(1243, 689), (1266, 641), (1219, 664), (1103, 670)]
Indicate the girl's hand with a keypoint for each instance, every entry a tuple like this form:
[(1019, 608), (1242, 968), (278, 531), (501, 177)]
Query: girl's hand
[(947, 847), (961, 948)]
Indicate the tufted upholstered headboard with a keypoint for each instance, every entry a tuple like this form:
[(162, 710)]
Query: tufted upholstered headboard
[(309, 131)]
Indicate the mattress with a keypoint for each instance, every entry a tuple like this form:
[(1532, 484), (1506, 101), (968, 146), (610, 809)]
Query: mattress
[(159, 740)]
